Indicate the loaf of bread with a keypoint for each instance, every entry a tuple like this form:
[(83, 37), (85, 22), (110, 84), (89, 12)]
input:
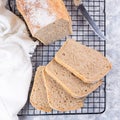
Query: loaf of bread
[(86, 63), (47, 20), (38, 97), (59, 99), (73, 85), (77, 2)]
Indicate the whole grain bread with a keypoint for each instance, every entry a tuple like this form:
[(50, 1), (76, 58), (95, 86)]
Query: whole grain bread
[(72, 84), (47, 20), (59, 99), (86, 63), (38, 97), (77, 2)]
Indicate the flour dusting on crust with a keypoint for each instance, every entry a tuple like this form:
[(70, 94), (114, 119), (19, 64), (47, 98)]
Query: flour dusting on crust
[(39, 12)]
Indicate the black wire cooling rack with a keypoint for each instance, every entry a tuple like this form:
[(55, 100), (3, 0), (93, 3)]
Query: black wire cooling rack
[(96, 101)]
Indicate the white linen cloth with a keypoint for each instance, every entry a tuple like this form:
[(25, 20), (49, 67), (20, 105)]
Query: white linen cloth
[(15, 64)]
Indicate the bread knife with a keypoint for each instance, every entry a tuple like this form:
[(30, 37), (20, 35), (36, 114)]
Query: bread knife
[(91, 22)]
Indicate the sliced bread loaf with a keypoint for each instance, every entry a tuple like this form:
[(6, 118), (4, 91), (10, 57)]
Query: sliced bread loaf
[(47, 20), (59, 99), (38, 97), (86, 63), (72, 84)]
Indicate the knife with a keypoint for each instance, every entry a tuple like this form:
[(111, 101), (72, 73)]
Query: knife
[(90, 21)]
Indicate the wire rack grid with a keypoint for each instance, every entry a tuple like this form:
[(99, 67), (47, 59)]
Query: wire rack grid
[(95, 103)]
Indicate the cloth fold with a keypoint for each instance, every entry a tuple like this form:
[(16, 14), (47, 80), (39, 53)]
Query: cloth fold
[(13, 29), (15, 65)]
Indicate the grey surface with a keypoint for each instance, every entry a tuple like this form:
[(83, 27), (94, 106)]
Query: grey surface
[(113, 78)]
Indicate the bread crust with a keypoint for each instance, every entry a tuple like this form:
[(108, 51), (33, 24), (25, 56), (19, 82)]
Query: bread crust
[(59, 99), (86, 63), (71, 84), (39, 16), (38, 96)]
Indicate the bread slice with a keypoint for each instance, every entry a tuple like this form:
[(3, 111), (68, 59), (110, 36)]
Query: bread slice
[(38, 97), (77, 2), (86, 63), (47, 20), (59, 99), (73, 85)]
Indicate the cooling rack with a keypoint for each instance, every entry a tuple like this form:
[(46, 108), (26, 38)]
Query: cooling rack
[(95, 103)]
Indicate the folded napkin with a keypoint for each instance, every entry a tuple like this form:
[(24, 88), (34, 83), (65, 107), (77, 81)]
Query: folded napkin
[(15, 64)]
